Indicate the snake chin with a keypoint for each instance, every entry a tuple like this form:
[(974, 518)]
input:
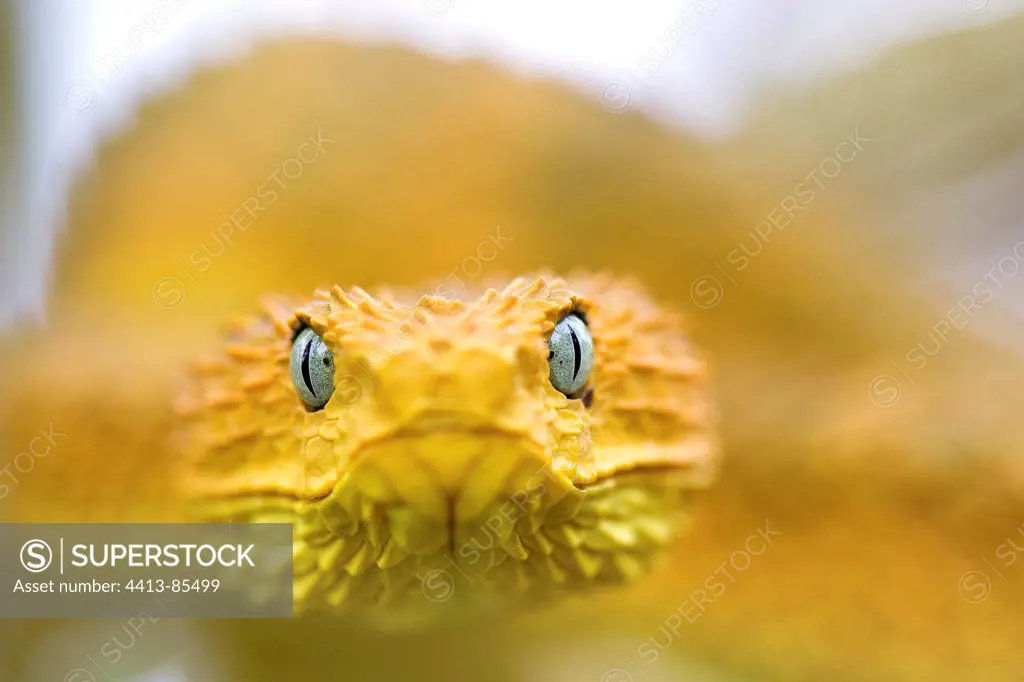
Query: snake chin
[(429, 498), (427, 557)]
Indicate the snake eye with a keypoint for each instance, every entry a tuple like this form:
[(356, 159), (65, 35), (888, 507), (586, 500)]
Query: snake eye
[(312, 367), (571, 355)]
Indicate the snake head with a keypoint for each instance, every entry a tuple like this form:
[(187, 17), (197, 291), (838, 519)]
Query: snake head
[(443, 455)]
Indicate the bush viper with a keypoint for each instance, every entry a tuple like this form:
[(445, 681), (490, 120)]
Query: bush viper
[(411, 444), (880, 510)]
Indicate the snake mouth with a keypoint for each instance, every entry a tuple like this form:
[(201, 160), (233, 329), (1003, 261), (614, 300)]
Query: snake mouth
[(448, 498), (436, 481), (436, 461), (453, 452)]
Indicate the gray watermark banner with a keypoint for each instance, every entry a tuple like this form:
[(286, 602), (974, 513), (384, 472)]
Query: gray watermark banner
[(170, 570)]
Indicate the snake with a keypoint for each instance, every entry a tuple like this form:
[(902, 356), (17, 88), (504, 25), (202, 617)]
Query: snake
[(535, 439), (855, 488)]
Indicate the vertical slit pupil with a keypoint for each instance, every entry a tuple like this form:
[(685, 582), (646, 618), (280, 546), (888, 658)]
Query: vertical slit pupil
[(305, 367), (576, 353)]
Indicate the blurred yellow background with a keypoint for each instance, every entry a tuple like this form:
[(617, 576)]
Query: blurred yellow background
[(885, 494)]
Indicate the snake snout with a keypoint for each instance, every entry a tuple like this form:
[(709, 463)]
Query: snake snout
[(458, 426), (466, 379)]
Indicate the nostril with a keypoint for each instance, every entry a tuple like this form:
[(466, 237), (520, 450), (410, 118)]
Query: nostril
[(445, 388), (530, 362), (439, 344), (486, 371)]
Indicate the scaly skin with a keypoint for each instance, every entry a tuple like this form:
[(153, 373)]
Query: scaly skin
[(445, 452)]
